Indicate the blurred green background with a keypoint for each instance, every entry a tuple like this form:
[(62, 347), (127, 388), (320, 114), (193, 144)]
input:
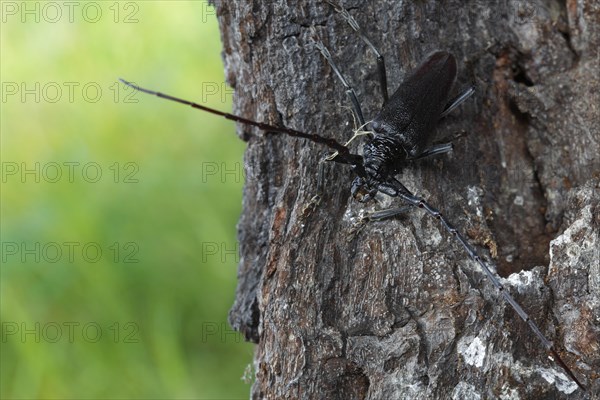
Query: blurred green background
[(118, 211)]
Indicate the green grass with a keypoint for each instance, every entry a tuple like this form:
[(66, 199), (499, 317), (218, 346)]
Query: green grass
[(157, 293)]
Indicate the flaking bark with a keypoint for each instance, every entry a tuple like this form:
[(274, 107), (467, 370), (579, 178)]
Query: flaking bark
[(395, 309)]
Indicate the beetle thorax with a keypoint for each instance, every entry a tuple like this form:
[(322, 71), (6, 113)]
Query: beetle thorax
[(382, 156)]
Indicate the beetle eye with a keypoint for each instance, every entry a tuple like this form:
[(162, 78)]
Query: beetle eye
[(376, 126)]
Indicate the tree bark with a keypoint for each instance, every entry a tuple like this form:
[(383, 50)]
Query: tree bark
[(395, 309)]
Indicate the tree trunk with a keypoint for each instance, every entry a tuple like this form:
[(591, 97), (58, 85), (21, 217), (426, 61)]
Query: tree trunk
[(395, 309)]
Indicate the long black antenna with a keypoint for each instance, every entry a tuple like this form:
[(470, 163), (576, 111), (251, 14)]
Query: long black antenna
[(413, 200), (344, 155)]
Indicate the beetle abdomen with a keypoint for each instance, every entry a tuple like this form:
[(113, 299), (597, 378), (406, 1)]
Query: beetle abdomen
[(414, 109)]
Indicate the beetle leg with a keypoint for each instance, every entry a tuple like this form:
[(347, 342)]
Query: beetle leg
[(457, 101)]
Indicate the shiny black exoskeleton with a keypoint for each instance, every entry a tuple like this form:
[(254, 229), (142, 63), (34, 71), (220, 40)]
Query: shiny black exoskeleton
[(403, 128)]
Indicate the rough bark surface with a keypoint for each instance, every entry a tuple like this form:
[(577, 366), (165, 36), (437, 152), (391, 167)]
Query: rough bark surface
[(395, 309)]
